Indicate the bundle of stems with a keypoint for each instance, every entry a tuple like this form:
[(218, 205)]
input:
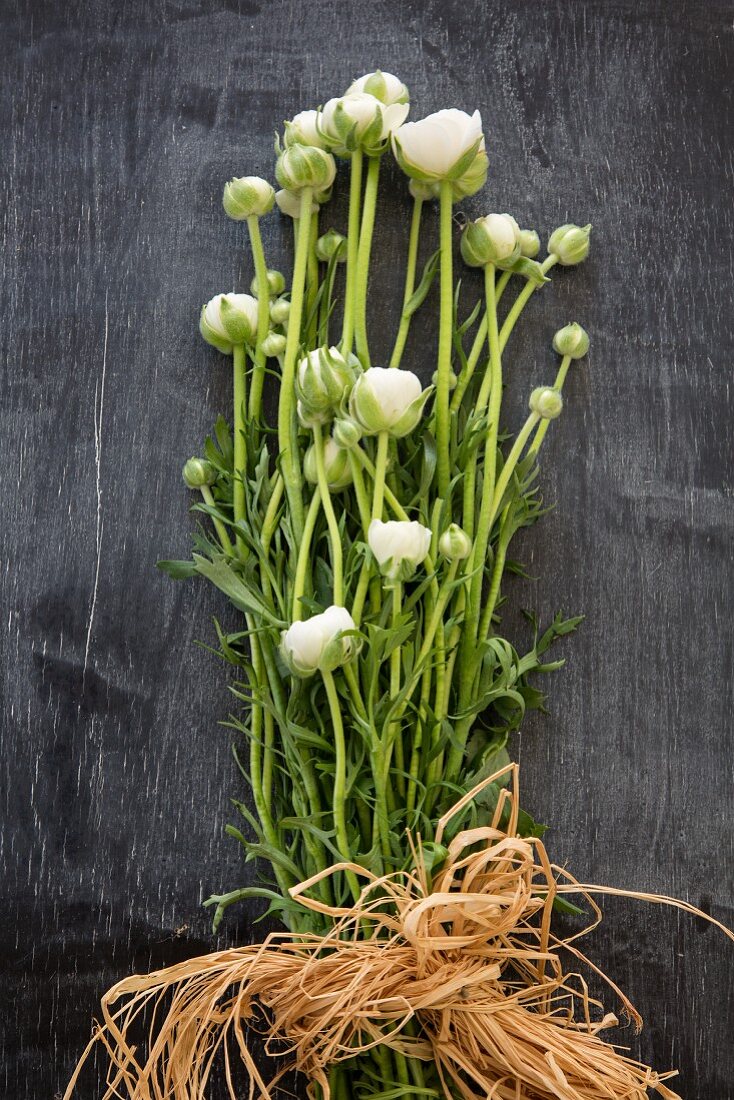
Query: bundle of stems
[(364, 538)]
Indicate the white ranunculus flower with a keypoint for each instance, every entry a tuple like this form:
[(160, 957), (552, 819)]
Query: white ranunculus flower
[(493, 239), (229, 319), (318, 645), (440, 146), (387, 399), (359, 120), (399, 546), (303, 129), (383, 86)]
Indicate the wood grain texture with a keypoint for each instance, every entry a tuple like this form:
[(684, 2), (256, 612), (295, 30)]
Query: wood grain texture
[(120, 124)]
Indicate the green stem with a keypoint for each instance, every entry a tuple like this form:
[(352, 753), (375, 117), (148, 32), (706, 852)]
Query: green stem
[(380, 470), (331, 520), (263, 318), (395, 663), (219, 527), (498, 569), (287, 425), (360, 491), (240, 446), (363, 258), (443, 461), (521, 301), (484, 525), (511, 462), (312, 281), (476, 348), (340, 780), (304, 556), (544, 424), (405, 318), (355, 197)]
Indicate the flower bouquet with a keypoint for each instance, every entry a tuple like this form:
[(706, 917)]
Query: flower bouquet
[(364, 542)]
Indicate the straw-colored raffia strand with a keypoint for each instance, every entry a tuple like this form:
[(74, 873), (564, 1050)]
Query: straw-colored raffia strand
[(471, 958)]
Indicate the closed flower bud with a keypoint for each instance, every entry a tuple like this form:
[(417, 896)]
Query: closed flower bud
[(570, 243), (309, 419), (453, 380), (383, 86), (289, 203), (324, 377), (359, 120), (280, 311), (546, 402), (300, 166), (455, 544), (273, 345), (331, 245), (229, 319), (494, 239), (346, 432), (529, 243), (399, 546), (425, 190), (303, 129), (246, 197), (276, 284), (319, 644), (387, 399), (336, 465), (572, 340), (198, 472), (442, 146)]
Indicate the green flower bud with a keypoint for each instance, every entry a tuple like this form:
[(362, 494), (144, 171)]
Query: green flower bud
[(387, 399), (324, 377), (330, 245), (529, 243), (197, 473), (246, 197), (337, 466), (455, 544), (572, 340), (453, 380), (346, 432), (280, 311), (273, 345), (546, 402), (300, 166), (276, 284), (309, 419), (424, 190), (289, 203), (570, 243), (494, 239), (229, 319)]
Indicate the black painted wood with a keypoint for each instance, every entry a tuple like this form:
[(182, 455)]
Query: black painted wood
[(120, 124)]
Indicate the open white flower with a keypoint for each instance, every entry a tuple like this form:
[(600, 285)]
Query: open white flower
[(383, 86), (229, 319), (442, 146), (359, 120), (318, 644), (386, 399), (399, 546)]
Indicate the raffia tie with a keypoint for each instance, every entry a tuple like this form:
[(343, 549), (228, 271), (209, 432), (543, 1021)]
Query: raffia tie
[(470, 958)]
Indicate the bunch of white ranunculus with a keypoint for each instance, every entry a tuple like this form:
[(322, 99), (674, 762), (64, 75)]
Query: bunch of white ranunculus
[(362, 534)]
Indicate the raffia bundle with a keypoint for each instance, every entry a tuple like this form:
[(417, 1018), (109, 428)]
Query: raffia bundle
[(469, 957)]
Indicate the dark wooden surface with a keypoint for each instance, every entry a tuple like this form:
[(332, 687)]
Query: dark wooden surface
[(120, 123)]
